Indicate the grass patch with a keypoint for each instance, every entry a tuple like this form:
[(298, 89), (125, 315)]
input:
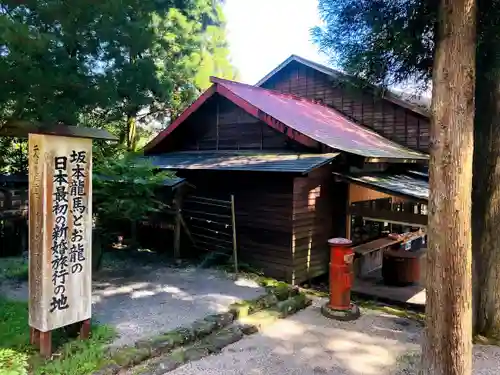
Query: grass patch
[(71, 357), (373, 305), (392, 310), (14, 268), (246, 307)]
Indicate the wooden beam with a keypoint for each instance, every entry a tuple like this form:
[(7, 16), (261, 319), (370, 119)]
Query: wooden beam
[(177, 229), (387, 215), (233, 224), (85, 328)]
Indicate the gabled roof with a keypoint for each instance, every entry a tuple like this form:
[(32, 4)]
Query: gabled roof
[(387, 95), (306, 122)]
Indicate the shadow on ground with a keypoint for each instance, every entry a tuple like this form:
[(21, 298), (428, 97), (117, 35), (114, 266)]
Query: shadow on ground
[(308, 344), (157, 299), (150, 299)]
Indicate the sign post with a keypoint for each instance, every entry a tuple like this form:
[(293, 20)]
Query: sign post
[(60, 228), (60, 232)]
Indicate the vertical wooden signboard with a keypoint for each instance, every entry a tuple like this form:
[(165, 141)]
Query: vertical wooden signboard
[(60, 228)]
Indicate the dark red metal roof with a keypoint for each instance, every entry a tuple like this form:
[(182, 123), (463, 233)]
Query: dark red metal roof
[(307, 122)]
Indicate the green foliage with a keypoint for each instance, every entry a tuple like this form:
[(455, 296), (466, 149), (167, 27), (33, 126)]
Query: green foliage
[(73, 357), (14, 155), (126, 189), (393, 41), (50, 52), (385, 42), (14, 329), (13, 362), (117, 63), (79, 357), (390, 42), (214, 56)]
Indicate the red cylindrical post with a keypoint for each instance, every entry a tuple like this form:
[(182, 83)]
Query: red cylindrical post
[(341, 276), (341, 257)]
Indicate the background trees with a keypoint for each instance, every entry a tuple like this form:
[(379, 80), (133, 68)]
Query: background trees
[(115, 64)]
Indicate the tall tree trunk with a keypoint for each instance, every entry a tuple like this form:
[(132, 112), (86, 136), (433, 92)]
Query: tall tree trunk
[(131, 132), (447, 346), (486, 178)]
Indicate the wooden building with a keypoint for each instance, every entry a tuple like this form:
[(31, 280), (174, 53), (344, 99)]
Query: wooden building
[(276, 154)]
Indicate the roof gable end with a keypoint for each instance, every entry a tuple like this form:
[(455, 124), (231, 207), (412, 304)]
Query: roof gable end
[(387, 94)]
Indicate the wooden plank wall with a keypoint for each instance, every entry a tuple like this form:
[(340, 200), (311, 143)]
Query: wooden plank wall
[(392, 121), (221, 125), (359, 193), (264, 230), (312, 224), (263, 203)]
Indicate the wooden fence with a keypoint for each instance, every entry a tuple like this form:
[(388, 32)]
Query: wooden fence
[(211, 224)]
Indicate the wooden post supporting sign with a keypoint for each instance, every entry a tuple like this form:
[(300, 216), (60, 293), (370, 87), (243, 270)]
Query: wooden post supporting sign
[(60, 229)]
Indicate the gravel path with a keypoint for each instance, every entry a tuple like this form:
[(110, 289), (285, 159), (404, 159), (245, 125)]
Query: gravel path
[(309, 344), (154, 299)]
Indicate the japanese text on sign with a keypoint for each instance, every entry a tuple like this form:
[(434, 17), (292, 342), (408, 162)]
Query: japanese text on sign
[(60, 226), (68, 234)]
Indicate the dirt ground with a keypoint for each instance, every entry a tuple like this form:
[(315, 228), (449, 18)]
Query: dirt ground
[(309, 344), (152, 299)]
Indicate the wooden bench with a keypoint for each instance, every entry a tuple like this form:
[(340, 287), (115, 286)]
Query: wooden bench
[(370, 255)]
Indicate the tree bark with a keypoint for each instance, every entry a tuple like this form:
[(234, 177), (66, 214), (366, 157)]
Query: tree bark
[(486, 177), (447, 345), (131, 132)]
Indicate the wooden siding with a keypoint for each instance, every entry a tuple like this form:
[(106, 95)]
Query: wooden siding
[(312, 224), (360, 193), (263, 203), (264, 230), (392, 121), (221, 125)]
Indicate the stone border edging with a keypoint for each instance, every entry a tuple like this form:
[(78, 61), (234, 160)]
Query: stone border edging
[(129, 356), (167, 351)]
